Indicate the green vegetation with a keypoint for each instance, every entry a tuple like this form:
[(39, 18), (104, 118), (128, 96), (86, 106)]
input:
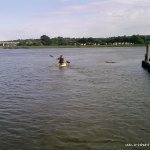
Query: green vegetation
[(46, 41)]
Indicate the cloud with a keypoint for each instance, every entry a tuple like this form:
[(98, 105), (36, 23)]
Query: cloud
[(93, 18)]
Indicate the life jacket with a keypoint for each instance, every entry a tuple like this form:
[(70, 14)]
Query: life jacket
[(61, 60)]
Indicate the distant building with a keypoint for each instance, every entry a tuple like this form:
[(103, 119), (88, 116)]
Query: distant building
[(8, 43)]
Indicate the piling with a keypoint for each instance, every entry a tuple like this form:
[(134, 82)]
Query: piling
[(146, 62)]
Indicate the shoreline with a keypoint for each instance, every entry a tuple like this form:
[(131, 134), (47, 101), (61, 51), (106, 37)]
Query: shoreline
[(69, 46)]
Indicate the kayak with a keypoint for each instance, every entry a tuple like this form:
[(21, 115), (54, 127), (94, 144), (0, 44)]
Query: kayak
[(63, 65)]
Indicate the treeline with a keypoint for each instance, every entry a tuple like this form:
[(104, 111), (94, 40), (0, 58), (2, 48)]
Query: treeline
[(60, 41)]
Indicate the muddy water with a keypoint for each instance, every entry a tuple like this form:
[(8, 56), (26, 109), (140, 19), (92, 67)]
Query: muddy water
[(100, 102)]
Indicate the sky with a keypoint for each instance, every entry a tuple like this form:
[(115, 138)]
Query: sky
[(24, 19)]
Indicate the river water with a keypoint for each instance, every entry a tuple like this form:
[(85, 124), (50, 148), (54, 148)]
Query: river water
[(100, 102)]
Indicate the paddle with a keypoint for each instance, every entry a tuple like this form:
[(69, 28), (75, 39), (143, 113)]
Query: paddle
[(51, 55), (68, 62)]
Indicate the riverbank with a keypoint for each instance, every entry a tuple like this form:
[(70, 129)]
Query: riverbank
[(70, 46)]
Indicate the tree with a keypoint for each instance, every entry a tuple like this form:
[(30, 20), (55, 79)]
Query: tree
[(82, 40), (60, 41), (137, 39), (45, 40)]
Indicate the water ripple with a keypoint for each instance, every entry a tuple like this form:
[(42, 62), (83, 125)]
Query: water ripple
[(94, 105)]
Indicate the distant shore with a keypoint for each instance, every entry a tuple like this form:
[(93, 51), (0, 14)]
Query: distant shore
[(69, 46)]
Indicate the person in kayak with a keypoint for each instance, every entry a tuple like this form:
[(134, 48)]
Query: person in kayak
[(61, 59)]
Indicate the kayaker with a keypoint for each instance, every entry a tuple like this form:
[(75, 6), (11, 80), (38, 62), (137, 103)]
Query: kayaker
[(61, 59)]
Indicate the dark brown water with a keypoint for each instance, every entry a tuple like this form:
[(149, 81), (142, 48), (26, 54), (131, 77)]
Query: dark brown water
[(92, 105)]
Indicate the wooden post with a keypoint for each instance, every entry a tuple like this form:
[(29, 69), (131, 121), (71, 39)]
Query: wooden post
[(147, 55)]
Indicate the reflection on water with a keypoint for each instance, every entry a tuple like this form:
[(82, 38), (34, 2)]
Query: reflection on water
[(92, 104)]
